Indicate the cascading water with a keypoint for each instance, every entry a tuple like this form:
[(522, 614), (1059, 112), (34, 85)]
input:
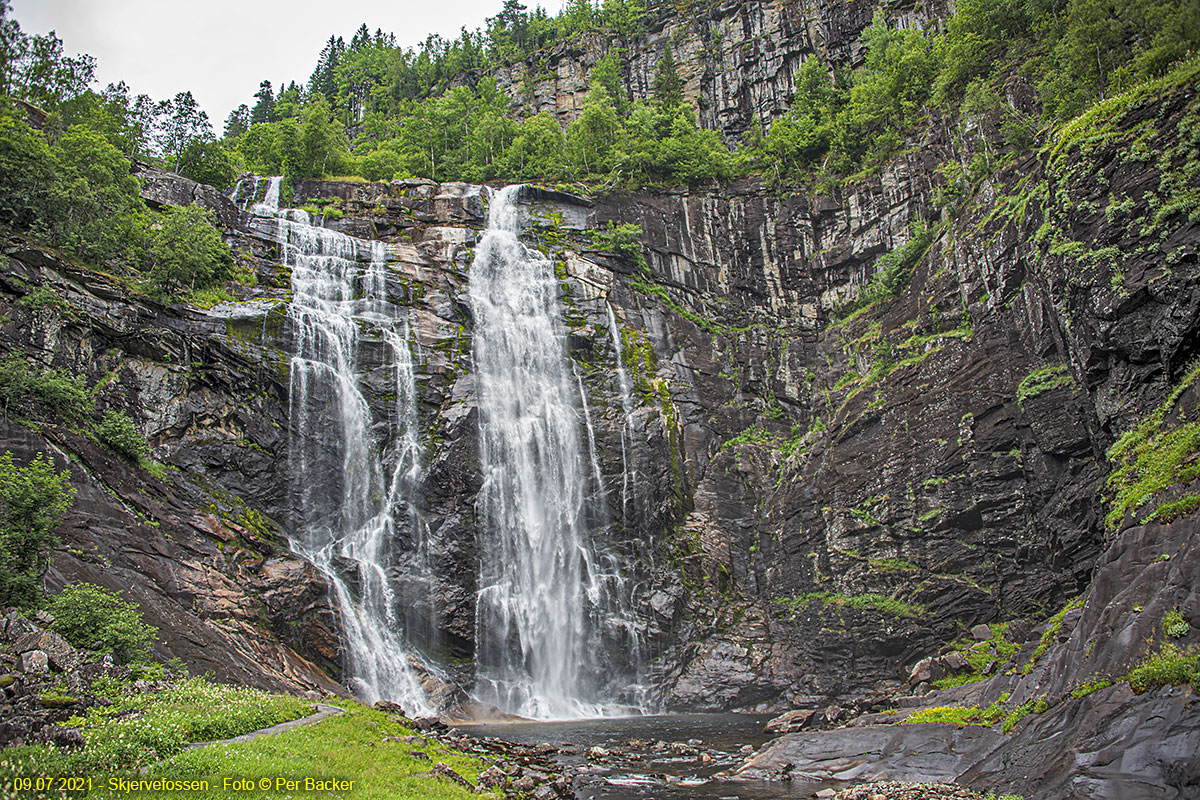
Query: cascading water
[(355, 476), (551, 605), (628, 474)]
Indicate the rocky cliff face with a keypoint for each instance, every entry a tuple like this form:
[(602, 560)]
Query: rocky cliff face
[(192, 543), (737, 60)]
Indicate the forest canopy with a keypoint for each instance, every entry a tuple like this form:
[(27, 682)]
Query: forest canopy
[(374, 110)]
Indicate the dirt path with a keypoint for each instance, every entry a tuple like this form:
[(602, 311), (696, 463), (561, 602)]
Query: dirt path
[(324, 711)]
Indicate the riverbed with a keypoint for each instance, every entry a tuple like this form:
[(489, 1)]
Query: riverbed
[(668, 757)]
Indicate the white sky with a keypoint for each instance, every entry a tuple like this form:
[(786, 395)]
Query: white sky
[(222, 49)]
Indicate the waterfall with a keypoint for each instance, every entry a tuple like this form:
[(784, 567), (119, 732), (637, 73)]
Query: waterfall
[(551, 602), (626, 390), (355, 474)]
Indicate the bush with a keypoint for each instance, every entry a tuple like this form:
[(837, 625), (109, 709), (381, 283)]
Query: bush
[(892, 272), (1174, 624), (93, 618), (186, 250), (118, 432), (33, 500), (1168, 667), (56, 393), (623, 239)]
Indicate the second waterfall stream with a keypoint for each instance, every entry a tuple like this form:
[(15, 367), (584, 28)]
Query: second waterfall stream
[(551, 601)]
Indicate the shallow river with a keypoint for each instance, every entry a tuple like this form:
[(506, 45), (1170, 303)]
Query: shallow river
[(649, 767)]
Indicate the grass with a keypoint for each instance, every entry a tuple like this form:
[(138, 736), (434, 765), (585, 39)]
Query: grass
[(960, 715), (1012, 718), (915, 341), (980, 656), (863, 602), (355, 745), (1170, 666), (1043, 380), (1083, 690), (143, 727), (362, 744), (1050, 633)]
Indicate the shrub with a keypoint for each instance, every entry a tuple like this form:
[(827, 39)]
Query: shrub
[(118, 432), (33, 500), (1169, 666), (56, 392), (892, 272), (1174, 625), (186, 250), (94, 618), (624, 239)]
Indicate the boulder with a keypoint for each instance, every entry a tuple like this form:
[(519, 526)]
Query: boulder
[(981, 633), (954, 661), (791, 721), (33, 662), (444, 771), (66, 738), (491, 777), (62, 656), (14, 732)]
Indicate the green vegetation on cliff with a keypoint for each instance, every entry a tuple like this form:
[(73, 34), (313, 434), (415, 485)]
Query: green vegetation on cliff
[(377, 110), (33, 500), (1156, 457)]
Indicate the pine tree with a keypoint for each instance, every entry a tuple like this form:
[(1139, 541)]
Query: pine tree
[(668, 88), (264, 109)]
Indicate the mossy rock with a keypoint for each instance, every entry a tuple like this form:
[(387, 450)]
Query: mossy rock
[(7, 680), (57, 700)]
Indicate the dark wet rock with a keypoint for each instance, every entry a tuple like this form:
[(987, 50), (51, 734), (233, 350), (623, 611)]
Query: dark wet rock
[(903, 752), (428, 724), (444, 771), (1110, 743), (66, 738)]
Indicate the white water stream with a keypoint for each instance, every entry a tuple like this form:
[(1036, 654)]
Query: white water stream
[(355, 474), (549, 601)]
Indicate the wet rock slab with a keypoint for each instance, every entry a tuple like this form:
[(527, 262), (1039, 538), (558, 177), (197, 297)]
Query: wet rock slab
[(928, 752)]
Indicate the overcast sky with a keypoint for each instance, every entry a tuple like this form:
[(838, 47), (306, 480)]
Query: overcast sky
[(222, 49)]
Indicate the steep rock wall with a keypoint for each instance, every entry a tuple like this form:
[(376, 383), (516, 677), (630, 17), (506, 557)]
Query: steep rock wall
[(737, 60)]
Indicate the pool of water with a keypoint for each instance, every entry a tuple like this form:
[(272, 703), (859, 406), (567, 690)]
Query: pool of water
[(650, 757)]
